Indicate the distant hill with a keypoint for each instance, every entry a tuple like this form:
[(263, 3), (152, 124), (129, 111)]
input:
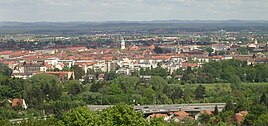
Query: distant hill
[(170, 26), (75, 23)]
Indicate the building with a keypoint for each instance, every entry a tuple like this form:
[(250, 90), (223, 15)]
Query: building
[(123, 44)]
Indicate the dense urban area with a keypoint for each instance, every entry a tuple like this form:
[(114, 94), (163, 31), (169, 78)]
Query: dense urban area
[(158, 73)]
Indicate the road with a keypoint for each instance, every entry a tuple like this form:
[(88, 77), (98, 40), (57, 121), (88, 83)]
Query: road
[(149, 109), (146, 109)]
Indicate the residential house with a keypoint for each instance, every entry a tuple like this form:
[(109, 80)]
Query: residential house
[(240, 116), (18, 102), (164, 116), (181, 116)]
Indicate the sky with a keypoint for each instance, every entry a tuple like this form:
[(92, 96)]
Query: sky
[(131, 10)]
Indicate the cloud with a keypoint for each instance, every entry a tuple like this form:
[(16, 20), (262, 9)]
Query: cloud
[(100, 10)]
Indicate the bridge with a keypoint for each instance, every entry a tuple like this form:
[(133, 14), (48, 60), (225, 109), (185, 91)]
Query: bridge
[(150, 109)]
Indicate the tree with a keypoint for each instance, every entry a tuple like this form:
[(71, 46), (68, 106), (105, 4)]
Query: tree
[(255, 112), (110, 75), (92, 98), (204, 118), (226, 116), (158, 122), (39, 122), (5, 123), (258, 109), (235, 82), (158, 50), (97, 85), (262, 120), (11, 88), (243, 50), (74, 87), (127, 83), (159, 71), (168, 90), (112, 89), (122, 115), (229, 106), (5, 70), (216, 111), (158, 83), (200, 92), (242, 105), (263, 99), (42, 87), (177, 94), (64, 104), (209, 50), (78, 72), (80, 116)]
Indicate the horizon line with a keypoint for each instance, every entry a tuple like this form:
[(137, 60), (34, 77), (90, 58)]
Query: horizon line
[(134, 20)]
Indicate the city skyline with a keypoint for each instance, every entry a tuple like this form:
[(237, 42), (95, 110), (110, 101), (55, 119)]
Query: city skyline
[(131, 10)]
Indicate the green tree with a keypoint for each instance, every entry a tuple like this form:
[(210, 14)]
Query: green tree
[(127, 83), (235, 82), (5, 123), (122, 115), (204, 118), (262, 120), (177, 94), (209, 50), (158, 83), (158, 122), (42, 88), (97, 85), (78, 72), (39, 122), (159, 71), (168, 90), (110, 75), (158, 50), (11, 88), (243, 50), (5, 70), (263, 99), (80, 116), (92, 98), (229, 106), (74, 87), (200, 92), (216, 111)]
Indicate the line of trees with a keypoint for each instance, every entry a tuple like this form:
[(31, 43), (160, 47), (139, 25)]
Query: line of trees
[(222, 71)]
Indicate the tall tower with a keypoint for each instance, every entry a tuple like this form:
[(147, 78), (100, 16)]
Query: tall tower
[(123, 44), (256, 41)]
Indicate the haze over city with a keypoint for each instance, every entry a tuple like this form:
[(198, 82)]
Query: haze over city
[(131, 10)]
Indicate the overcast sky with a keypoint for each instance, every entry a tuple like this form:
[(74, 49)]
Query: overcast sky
[(132, 10)]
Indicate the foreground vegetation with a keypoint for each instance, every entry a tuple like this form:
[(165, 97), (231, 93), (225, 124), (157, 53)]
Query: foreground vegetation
[(47, 95)]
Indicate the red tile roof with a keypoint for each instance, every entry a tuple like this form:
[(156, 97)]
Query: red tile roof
[(158, 115), (206, 112), (181, 113), (17, 102)]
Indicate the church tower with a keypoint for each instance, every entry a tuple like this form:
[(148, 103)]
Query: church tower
[(256, 41), (123, 44)]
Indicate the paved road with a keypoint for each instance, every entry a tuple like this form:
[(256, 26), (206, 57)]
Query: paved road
[(149, 109), (146, 109)]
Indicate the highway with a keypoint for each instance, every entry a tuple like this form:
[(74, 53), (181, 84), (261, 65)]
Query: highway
[(150, 109), (147, 109)]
